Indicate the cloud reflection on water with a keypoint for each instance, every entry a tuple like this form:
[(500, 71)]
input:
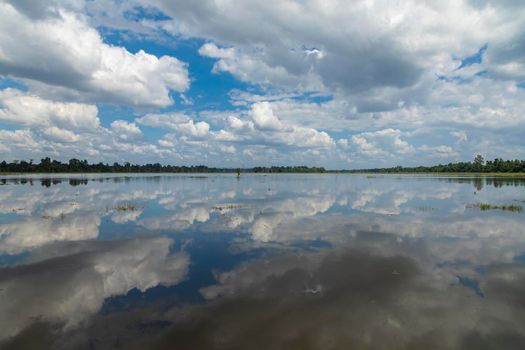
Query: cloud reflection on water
[(322, 262), (68, 283)]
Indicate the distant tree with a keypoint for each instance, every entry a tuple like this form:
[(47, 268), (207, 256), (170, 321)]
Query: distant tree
[(479, 160), (76, 165)]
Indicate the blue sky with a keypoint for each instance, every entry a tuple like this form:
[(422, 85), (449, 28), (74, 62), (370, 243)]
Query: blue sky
[(245, 83)]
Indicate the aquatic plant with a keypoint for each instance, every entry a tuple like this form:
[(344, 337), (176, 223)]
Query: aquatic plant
[(511, 207), (227, 207), (126, 207)]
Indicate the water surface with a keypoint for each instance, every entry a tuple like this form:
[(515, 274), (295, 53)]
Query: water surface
[(261, 262)]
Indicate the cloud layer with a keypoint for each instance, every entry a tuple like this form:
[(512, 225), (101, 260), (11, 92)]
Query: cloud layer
[(371, 83)]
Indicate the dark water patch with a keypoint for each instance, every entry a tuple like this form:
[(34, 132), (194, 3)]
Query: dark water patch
[(472, 284)]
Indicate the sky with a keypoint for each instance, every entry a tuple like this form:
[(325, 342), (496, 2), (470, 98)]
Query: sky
[(339, 84)]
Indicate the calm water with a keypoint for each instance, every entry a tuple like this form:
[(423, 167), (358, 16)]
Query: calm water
[(261, 262)]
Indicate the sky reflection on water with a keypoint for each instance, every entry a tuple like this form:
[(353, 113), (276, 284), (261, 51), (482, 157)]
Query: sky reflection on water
[(260, 262)]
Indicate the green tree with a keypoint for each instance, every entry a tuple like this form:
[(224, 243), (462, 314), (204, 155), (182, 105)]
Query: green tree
[(479, 160)]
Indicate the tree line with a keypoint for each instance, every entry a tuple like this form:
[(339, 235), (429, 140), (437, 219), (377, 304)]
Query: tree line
[(479, 165), (47, 165)]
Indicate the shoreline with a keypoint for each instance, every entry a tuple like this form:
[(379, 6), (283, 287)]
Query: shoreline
[(328, 172)]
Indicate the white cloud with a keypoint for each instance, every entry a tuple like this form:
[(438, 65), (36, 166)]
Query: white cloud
[(380, 143), (126, 130), (247, 67), (30, 110), (18, 142), (190, 128), (176, 122), (266, 128), (461, 135), (60, 135), (443, 151), (227, 148), (65, 130), (381, 45), (167, 120), (264, 118), (392, 66), (63, 52), (211, 50), (257, 127)]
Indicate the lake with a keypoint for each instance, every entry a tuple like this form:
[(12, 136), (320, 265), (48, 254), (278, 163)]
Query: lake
[(299, 261)]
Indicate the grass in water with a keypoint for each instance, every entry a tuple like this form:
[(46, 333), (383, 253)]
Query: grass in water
[(511, 207), (227, 207), (126, 207)]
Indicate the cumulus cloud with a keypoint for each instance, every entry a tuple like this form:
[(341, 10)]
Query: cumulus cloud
[(30, 110), (167, 120), (436, 72), (247, 67), (264, 53), (264, 118), (380, 143), (126, 130), (257, 127), (60, 135), (443, 151), (18, 142), (473, 113), (66, 130), (198, 129), (380, 46), (62, 144), (392, 66), (75, 62)]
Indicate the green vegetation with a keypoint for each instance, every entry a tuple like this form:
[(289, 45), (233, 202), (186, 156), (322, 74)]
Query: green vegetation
[(496, 167), (47, 165), (287, 169), (511, 207), (478, 166), (126, 207), (227, 207)]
